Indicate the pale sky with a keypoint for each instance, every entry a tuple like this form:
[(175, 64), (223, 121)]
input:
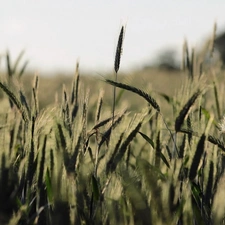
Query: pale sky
[(56, 33)]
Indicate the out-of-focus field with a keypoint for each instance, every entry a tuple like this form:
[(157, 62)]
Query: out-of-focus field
[(153, 81)]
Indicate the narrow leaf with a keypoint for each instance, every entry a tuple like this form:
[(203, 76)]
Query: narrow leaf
[(95, 188), (149, 140), (48, 186)]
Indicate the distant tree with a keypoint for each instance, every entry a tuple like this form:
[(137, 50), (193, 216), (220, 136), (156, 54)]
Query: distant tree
[(167, 59), (220, 46)]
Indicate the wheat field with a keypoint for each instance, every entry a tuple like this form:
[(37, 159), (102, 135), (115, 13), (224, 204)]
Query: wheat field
[(140, 148)]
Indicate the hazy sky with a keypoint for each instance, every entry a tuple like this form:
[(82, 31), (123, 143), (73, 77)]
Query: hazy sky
[(55, 33)]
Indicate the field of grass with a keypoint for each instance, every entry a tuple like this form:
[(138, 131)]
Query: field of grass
[(72, 152)]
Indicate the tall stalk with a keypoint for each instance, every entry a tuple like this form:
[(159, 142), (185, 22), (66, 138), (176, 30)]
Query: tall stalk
[(116, 68)]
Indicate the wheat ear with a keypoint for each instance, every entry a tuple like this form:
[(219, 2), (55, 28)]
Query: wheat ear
[(117, 66)]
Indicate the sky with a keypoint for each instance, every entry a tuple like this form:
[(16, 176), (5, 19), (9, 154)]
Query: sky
[(55, 34)]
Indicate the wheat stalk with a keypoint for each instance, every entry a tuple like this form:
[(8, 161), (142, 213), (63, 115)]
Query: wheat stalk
[(117, 66)]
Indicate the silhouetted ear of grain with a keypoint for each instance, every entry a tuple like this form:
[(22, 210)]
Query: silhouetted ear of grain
[(17, 61), (23, 100), (182, 147), (210, 138), (217, 99), (75, 86), (61, 136), (106, 134), (31, 164), (217, 142), (66, 110), (184, 112), (102, 123), (197, 157), (209, 186), (22, 69), (74, 93), (158, 150), (84, 119), (137, 91), (8, 61), (189, 126), (124, 146), (42, 164), (16, 101), (12, 70), (187, 56), (73, 158), (116, 68), (65, 105), (94, 131), (110, 163), (35, 95), (192, 66), (99, 106), (119, 50), (186, 60)]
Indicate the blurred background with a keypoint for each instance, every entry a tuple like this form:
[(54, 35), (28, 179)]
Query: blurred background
[(56, 33)]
